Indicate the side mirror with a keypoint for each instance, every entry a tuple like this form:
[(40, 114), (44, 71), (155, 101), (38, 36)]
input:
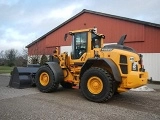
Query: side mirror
[(65, 37)]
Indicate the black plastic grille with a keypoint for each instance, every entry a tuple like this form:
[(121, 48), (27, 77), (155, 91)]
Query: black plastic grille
[(123, 59), (124, 69)]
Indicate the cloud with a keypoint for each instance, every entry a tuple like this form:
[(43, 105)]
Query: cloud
[(63, 13), (12, 38), (21, 22), (53, 15), (145, 10), (8, 2)]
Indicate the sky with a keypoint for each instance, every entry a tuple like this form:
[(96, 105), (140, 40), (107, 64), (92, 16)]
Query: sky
[(23, 21)]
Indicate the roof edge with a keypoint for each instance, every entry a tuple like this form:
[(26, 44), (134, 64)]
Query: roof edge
[(59, 26), (97, 13), (123, 18)]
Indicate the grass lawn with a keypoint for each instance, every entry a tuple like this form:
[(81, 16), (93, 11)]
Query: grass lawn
[(5, 69)]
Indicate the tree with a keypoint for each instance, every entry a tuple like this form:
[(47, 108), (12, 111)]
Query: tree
[(43, 59), (20, 61), (1, 54), (10, 56), (2, 60), (23, 58), (25, 54)]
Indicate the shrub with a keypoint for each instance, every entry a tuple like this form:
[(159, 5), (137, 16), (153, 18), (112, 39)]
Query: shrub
[(43, 59)]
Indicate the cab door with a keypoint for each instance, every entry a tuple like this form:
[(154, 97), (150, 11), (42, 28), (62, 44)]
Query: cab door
[(79, 45)]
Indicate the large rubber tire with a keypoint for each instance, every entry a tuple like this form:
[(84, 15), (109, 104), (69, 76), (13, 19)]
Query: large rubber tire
[(66, 85), (45, 80), (97, 85), (115, 85)]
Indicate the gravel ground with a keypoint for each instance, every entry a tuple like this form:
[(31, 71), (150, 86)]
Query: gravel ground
[(69, 104)]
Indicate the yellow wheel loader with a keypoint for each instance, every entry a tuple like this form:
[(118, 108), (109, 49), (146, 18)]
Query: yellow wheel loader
[(99, 71)]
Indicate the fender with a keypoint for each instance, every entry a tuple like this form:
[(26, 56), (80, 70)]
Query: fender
[(108, 62), (57, 71)]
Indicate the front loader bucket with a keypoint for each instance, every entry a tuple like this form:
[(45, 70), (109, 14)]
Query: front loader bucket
[(23, 77)]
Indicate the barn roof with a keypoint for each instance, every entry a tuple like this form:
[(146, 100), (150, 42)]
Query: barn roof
[(96, 13)]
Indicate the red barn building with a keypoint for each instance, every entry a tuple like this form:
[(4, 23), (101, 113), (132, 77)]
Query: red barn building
[(143, 36)]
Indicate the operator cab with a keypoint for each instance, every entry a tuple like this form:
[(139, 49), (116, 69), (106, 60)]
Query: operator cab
[(84, 41), (80, 43)]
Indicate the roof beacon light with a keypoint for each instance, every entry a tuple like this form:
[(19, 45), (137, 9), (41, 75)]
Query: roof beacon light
[(95, 30)]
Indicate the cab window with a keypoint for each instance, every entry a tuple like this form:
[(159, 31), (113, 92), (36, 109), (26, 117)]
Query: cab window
[(96, 41), (79, 45)]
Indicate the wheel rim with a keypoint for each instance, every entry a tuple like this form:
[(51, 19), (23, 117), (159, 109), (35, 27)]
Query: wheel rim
[(44, 79), (95, 85)]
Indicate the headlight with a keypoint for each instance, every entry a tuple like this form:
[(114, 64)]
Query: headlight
[(134, 66)]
